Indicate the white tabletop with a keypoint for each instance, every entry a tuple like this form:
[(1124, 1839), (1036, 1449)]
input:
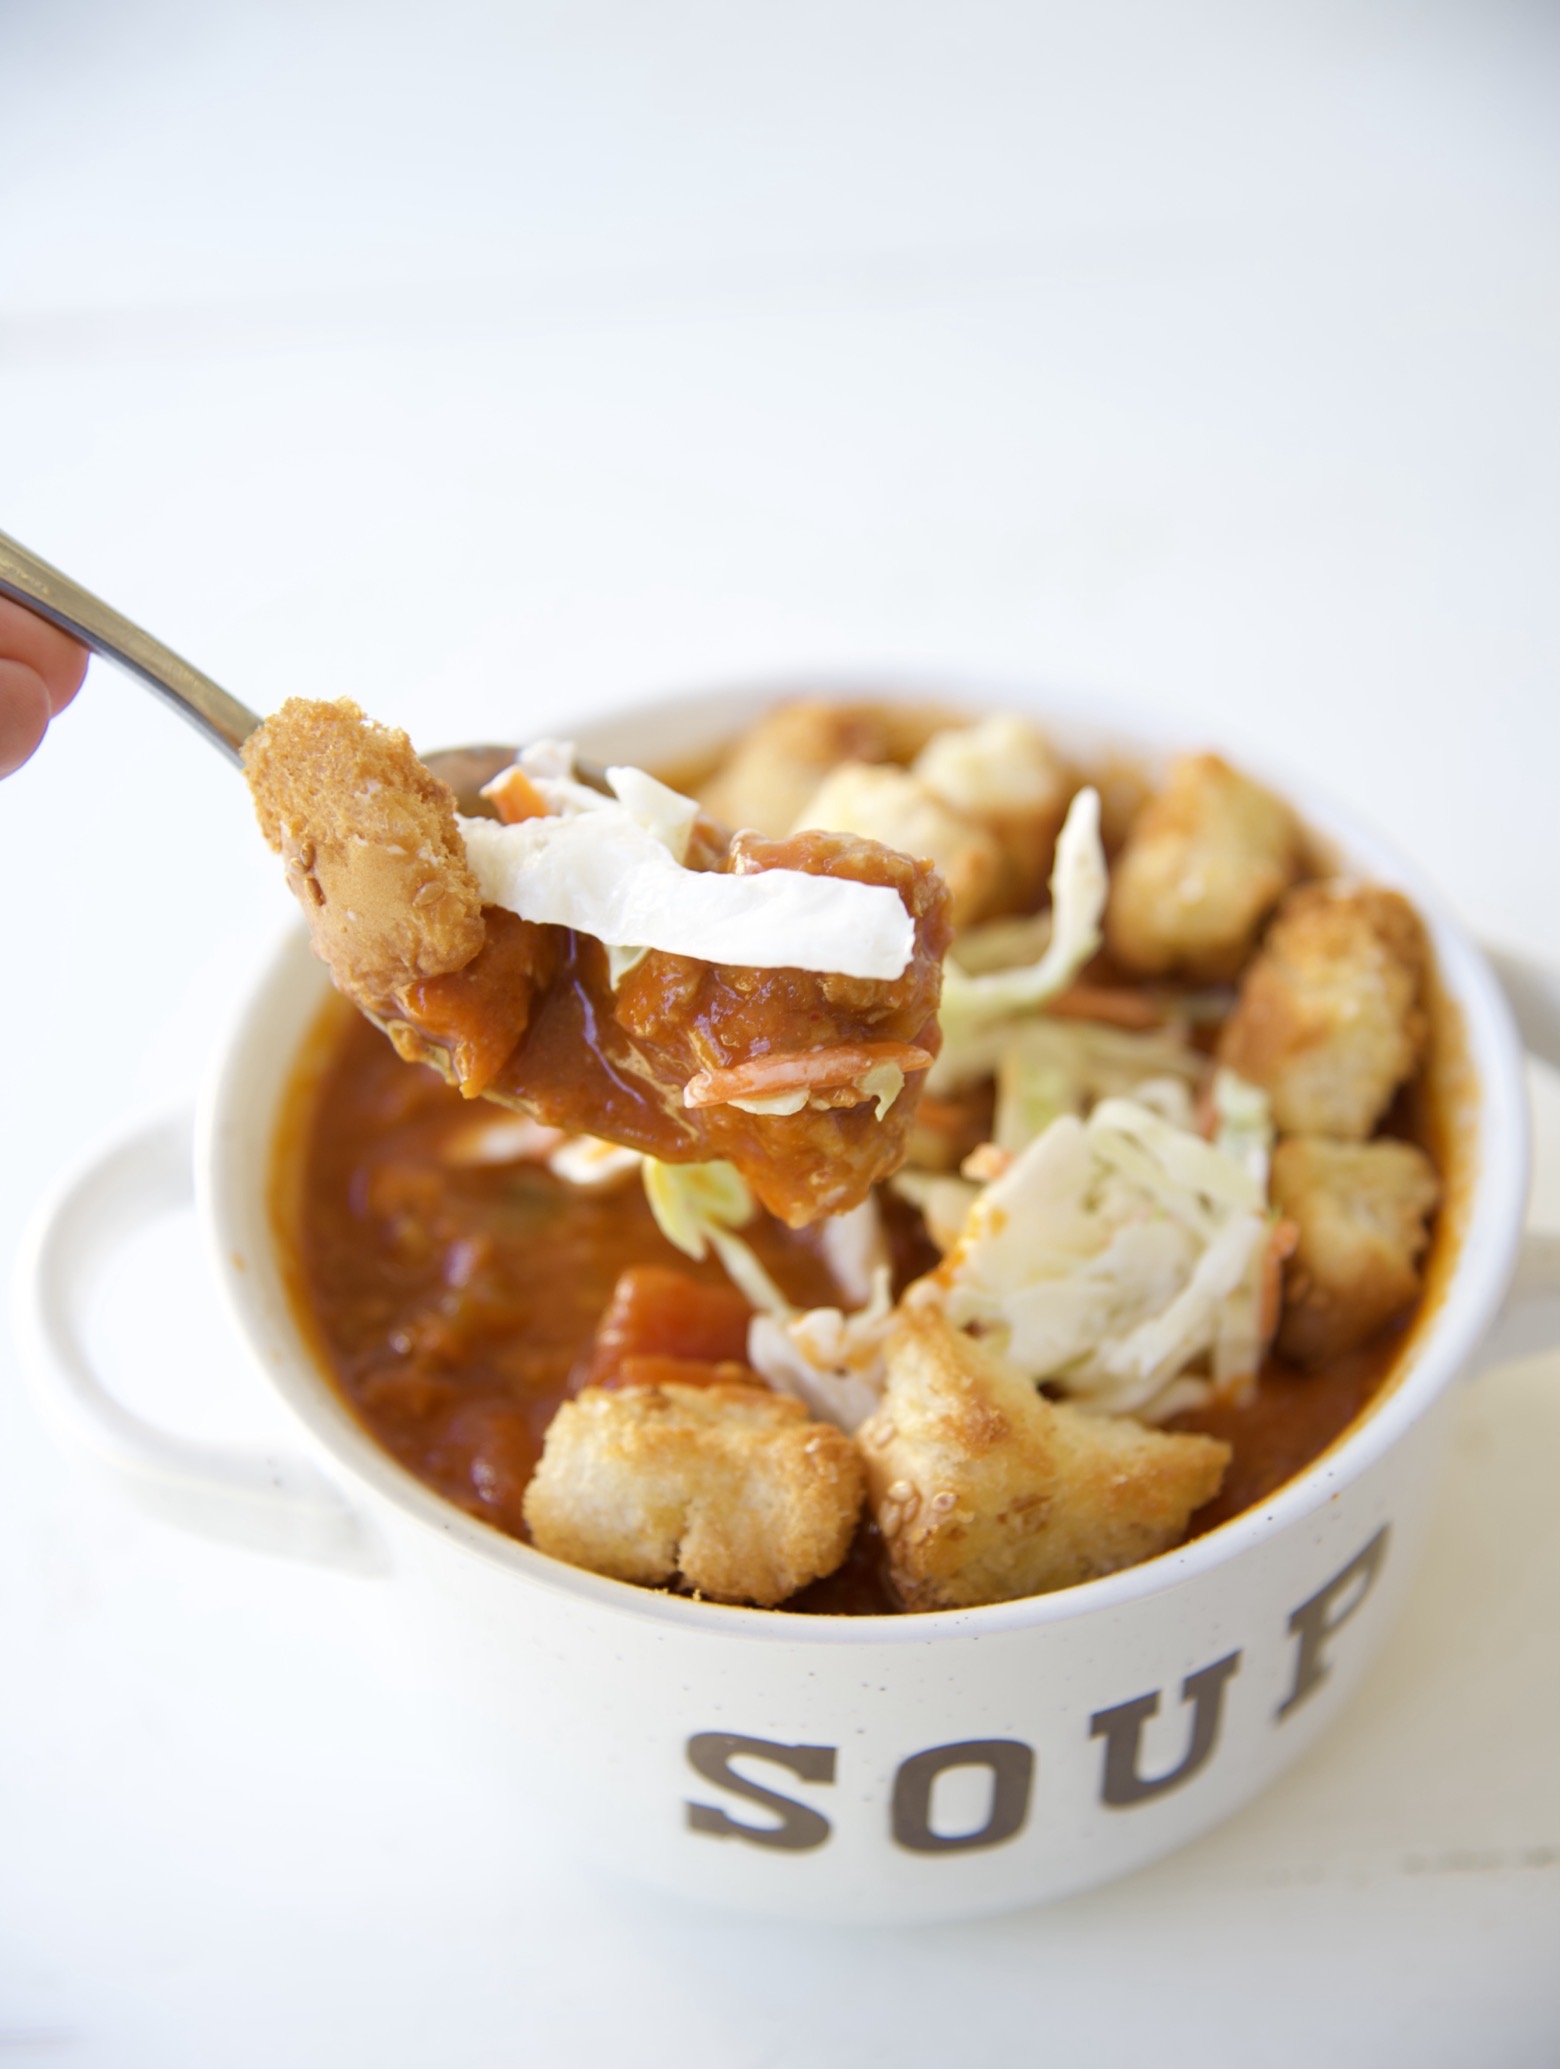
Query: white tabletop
[(491, 365)]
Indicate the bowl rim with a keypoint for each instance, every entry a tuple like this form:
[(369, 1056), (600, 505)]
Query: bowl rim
[(1438, 1351)]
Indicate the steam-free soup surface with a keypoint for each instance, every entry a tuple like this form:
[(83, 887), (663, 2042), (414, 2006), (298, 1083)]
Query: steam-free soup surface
[(455, 1304)]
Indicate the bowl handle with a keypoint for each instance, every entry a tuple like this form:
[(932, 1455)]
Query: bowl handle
[(1529, 1322), (269, 1500), (1533, 993)]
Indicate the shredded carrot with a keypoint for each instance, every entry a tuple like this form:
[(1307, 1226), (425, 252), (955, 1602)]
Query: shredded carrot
[(1206, 1113), (986, 1161), (1281, 1246), (1103, 1002), (763, 1077), (515, 797), (943, 1116)]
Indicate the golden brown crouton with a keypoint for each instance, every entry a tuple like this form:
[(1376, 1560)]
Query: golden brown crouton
[(889, 805), (767, 779), (1329, 1021), (371, 848), (986, 1491), (1205, 862), (1361, 1210), (729, 1486), (1004, 775)]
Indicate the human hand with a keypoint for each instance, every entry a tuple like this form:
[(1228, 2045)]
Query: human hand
[(41, 669)]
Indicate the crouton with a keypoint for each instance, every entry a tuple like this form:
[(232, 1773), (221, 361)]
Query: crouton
[(889, 805), (986, 1491), (1360, 1209), (376, 861), (766, 781), (1004, 775), (767, 777), (371, 848), (1205, 861), (728, 1486), (1329, 1021)]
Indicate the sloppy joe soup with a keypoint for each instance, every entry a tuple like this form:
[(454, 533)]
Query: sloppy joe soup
[(454, 1303)]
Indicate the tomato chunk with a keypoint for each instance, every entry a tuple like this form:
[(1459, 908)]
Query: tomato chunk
[(658, 1312)]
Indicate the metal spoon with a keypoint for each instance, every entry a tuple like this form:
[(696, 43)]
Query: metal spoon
[(225, 722)]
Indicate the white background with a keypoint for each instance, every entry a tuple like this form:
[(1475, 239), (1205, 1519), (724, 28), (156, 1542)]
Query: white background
[(493, 363)]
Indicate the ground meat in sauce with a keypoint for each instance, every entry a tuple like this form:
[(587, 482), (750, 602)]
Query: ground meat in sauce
[(613, 1062)]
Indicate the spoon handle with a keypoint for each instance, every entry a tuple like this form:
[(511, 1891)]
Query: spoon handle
[(31, 581)]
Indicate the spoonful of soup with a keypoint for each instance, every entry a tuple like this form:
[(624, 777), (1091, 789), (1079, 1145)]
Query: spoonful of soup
[(587, 946), (619, 966)]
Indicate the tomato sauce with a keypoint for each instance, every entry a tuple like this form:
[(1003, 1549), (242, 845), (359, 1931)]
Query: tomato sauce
[(536, 1022), (456, 1303)]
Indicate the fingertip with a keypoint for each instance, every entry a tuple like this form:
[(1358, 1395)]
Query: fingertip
[(24, 715), (66, 677), (54, 656)]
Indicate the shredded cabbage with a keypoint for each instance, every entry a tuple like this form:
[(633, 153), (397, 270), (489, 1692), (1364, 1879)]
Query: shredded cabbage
[(1050, 1067), (1243, 1123), (612, 867), (1002, 944), (657, 807), (1112, 1257), (828, 1359), (589, 1162), (882, 1084), (832, 1362), (790, 1102), (942, 1201), (1186, 1175), (975, 1008), (698, 1207), (854, 1246)]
